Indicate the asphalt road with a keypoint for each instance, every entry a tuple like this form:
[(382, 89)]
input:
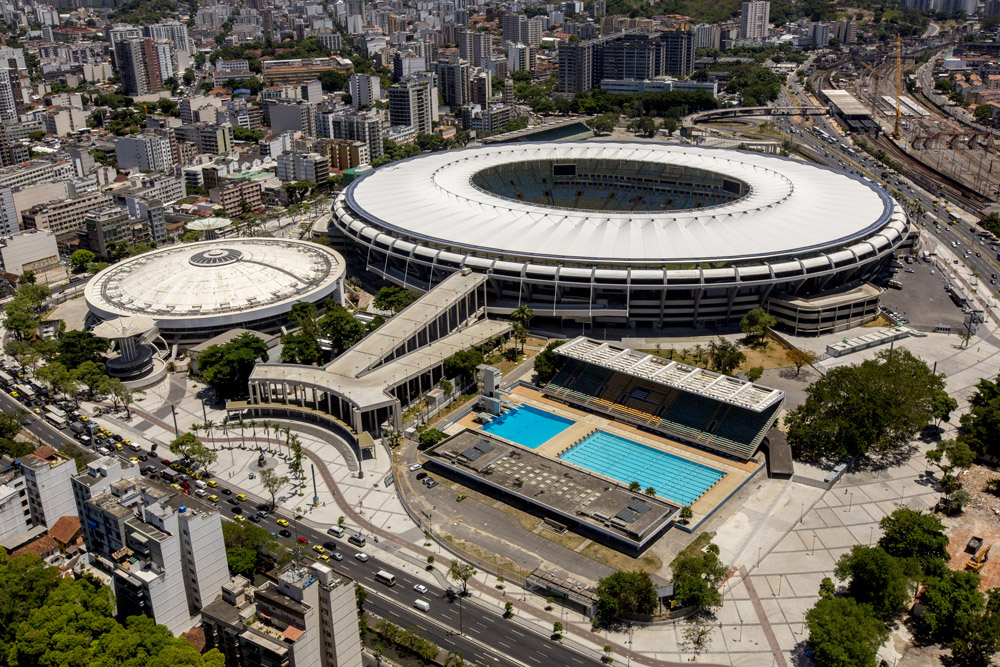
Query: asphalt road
[(481, 635)]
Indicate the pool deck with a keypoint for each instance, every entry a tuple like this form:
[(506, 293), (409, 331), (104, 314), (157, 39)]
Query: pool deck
[(586, 423)]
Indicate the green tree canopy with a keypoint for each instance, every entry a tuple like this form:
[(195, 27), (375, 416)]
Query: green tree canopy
[(394, 298), (463, 363), (227, 367), (81, 258), (756, 323), (913, 535), (697, 577), (981, 424), (875, 578), (547, 362), (873, 407), (625, 592), (340, 328), (951, 605), (843, 633), (242, 561), (76, 347), (724, 355)]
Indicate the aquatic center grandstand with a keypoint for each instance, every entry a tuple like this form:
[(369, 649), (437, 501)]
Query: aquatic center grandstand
[(615, 232), (715, 412)]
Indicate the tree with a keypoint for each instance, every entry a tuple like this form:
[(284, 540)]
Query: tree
[(756, 323), (724, 356), (508, 610), (975, 644), (697, 577), (76, 347), (981, 424), (875, 578), (623, 593), (547, 362), (557, 630), (941, 407), (983, 112), (242, 561), (463, 364), (950, 605), (81, 258), (226, 368), (634, 486), (300, 348), (800, 358), (20, 319), (522, 315), (873, 407), (461, 571), (394, 298), (603, 124), (669, 125), (189, 446), (27, 278), (753, 374), (272, 482), (91, 375), (912, 535), (844, 633), (340, 328), (430, 437)]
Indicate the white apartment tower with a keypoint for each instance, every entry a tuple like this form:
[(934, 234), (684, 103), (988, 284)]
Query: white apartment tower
[(365, 89), (755, 19), (145, 151)]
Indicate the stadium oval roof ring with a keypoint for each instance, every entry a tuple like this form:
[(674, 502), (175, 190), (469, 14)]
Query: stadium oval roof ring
[(779, 207)]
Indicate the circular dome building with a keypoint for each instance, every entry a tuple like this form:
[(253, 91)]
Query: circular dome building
[(643, 233), (195, 291)]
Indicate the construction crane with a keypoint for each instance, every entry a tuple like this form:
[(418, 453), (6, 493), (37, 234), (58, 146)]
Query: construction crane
[(899, 84)]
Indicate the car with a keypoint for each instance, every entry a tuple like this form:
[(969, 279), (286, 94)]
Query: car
[(361, 556), (430, 483), (226, 492), (262, 514), (237, 510), (37, 411), (148, 469), (84, 418), (133, 459), (421, 475), (332, 546), (212, 483), (239, 517), (910, 271), (213, 498), (324, 558), (254, 518), (175, 486), (302, 540), (282, 522), (420, 588), (415, 467), (336, 555), (118, 446), (241, 497), (200, 493), (165, 462), (284, 532), (142, 457), (233, 502), (318, 548), (185, 485)]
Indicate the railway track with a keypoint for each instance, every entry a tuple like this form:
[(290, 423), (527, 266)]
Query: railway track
[(932, 180)]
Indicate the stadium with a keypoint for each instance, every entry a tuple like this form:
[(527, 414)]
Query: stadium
[(195, 291), (607, 233)]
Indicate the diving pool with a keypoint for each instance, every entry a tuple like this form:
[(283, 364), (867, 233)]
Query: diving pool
[(625, 460), (527, 426)]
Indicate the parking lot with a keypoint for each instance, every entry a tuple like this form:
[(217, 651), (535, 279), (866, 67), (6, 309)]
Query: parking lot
[(923, 299)]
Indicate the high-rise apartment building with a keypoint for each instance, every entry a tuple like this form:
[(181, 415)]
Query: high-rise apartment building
[(707, 36), (520, 57), (519, 28), (164, 551), (309, 617), (475, 46), (10, 89), (453, 81), (413, 102), (755, 19), (625, 56), (303, 167), (47, 475), (353, 127), (148, 152), (139, 66), (678, 52), (365, 89), (174, 31)]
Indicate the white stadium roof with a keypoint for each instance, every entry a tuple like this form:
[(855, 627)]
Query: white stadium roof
[(221, 282), (792, 207)]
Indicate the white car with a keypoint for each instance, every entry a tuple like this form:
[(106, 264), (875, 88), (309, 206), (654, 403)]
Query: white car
[(420, 588), (361, 556), (415, 467)]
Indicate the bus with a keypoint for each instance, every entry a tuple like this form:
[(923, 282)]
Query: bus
[(6, 378), (25, 390), (56, 420), (58, 412), (385, 577)]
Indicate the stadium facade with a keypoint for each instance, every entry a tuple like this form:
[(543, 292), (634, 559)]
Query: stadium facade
[(609, 233)]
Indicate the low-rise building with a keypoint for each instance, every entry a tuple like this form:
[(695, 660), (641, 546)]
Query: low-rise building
[(238, 196), (303, 167), (33, 250), (63, 218)]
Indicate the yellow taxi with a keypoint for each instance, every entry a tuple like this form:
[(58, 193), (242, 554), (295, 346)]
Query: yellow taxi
[(118, 446), (283, 522), (324, 558), (241, 497), (84, 418), (213, 498), (318, 548), (133, 459), (239, 517), (14, 394), (212, 483), (176, 486), (126, 442), (37, 411)]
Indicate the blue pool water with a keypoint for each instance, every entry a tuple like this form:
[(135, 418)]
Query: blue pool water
[(625, 460), (528, 426)]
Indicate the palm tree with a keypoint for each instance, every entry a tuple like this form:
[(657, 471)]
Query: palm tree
[(225, 431), (288, 438), (266, 425), (523, 315), (253, 425), (242, 426), (195, 428), (208, 427)]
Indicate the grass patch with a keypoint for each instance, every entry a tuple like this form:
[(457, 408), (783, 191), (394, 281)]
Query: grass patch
[(497, 563), (649, 562), (880, 321), (694, 548)]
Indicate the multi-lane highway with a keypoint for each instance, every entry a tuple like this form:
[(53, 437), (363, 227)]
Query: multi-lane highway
[(480, 634)]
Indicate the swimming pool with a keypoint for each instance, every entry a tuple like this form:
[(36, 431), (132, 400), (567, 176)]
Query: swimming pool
[(627, 461), (528, 426)]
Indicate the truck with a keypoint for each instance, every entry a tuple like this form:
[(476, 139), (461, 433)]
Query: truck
[(77, 427), (169, 475)]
